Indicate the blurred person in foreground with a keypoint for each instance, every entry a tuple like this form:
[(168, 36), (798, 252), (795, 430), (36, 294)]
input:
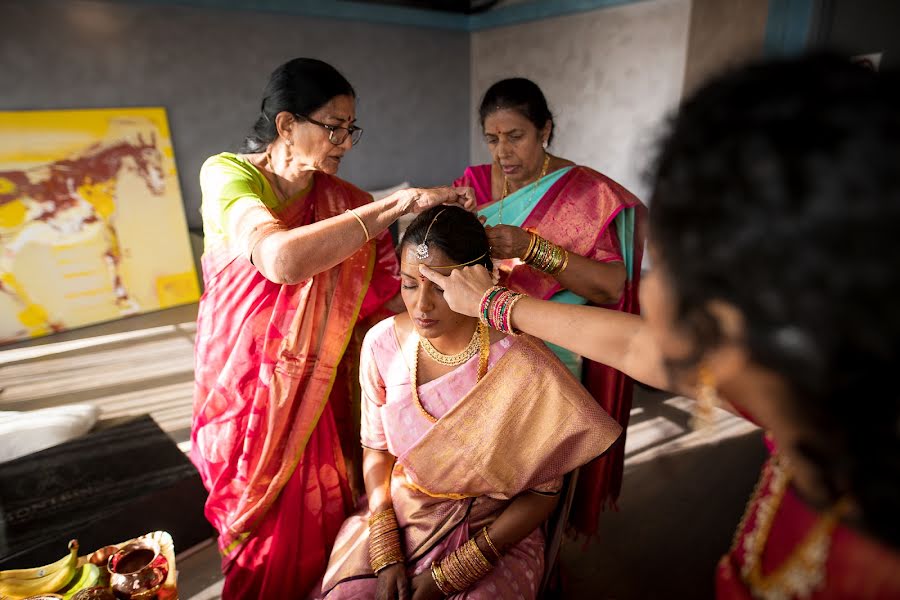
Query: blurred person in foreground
[(773, 235)]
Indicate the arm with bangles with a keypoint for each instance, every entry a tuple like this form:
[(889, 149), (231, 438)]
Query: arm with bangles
[(465, 566), (598, 282), (385, 551), (289, 256), (619, 340)]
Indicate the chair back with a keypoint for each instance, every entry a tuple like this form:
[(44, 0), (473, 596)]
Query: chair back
[(555, 529)]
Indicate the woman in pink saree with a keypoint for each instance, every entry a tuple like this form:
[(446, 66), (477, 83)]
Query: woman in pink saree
[(294, 257), (774, 218), (525, 192), (467, 435)]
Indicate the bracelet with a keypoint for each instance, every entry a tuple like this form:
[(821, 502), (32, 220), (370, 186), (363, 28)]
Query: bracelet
[(460, 569), (565, 263), (440, 580), (496, 309), (531, 245), (486, 300), (384, 540), (490, 543), (546, 256), (361, 223)]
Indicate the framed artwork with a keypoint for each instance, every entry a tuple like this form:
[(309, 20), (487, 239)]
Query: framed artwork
[(91, 219)]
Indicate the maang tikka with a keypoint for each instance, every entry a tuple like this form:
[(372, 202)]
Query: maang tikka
[(422, 249)]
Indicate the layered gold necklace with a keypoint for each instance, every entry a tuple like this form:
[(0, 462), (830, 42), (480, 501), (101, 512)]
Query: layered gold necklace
[(479, 344), (534, 186), (803, 571), (452, 360)]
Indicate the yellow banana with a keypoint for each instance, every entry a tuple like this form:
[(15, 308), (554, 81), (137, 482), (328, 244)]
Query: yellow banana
[(48, 578), (35, 572), (87, 575)]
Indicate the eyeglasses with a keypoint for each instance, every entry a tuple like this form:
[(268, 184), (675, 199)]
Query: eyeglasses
[(337, 134)]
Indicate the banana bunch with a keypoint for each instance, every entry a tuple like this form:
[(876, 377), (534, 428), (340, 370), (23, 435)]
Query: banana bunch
[(87, 575), (21, 583)]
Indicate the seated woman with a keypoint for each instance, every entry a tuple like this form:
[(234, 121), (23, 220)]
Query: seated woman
[(467, 435)]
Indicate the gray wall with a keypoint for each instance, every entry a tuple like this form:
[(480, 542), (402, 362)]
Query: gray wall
[(610, 76), (208, 68)]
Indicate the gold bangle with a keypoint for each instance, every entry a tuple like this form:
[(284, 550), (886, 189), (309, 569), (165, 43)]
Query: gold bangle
[(531, 245), (482, 564), (361, 223), (565, 263), (534, 249), (509, 314), (381, 515), (384, 540), (440, 580), (490, 543)]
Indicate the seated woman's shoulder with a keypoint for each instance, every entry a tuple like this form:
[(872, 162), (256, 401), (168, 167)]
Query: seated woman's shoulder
[(381, 332)]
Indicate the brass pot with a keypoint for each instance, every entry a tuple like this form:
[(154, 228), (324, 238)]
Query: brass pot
[(137, 570)]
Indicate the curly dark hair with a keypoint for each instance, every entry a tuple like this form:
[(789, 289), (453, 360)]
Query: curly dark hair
[(777, 190), (456, 231)]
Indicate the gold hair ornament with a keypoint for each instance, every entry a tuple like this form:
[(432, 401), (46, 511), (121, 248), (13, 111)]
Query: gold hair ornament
[(422, 249)]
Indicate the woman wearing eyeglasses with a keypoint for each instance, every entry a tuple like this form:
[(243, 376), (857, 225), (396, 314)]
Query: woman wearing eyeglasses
[(293, 258)]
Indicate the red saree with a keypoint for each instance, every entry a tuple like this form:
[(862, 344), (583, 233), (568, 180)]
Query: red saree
[(856, 565), (578, 212), (264, 432)]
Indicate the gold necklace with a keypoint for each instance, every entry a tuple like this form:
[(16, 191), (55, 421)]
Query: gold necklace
[(804, 569), (484, 349), (534, 185), (452, 360)]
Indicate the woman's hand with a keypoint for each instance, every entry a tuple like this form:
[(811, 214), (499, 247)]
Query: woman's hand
[(392, 583), (508, 241), (421, 199), (463, 288), (424, 587)]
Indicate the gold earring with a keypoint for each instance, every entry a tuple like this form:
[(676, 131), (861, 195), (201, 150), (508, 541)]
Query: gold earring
[(707, 399)]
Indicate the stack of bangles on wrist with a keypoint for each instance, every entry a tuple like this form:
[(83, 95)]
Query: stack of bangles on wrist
[(384, 540), (464, 566), (496, 308), (546, 256)]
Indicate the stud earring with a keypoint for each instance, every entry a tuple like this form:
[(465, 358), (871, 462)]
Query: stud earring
[(545, 144)]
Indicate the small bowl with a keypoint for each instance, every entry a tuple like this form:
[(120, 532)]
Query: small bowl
[(138, 570)]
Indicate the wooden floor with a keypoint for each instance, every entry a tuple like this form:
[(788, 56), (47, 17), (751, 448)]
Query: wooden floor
[(683, 495)]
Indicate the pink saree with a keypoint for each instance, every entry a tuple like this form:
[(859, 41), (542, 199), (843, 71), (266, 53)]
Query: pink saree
[(856, 567), (520, 429), (264, 435), (591, 215)]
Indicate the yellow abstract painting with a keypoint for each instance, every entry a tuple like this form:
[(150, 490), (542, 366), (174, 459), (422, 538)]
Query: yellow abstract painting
[(91, 219)]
